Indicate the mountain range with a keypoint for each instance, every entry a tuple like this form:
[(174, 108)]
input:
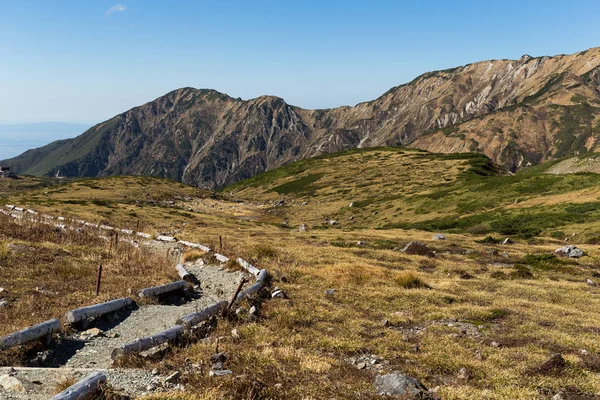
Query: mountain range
[(516, 112)]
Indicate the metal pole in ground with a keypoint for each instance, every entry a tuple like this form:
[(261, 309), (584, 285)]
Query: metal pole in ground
[(98, 279)]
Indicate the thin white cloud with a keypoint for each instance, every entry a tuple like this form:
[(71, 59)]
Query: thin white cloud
[(115, 8)]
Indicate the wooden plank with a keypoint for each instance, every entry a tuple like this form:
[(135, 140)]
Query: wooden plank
[(148, 342), (97, 309), (195, 318), (162, 289), (221, 258), (248, 267), (195, 245), (144, 235), (83, 389), (163, 238), (28, 334)]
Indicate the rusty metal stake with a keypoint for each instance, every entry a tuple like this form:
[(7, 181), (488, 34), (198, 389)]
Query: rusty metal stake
[(235, 295), (98, 279), (220, 244)]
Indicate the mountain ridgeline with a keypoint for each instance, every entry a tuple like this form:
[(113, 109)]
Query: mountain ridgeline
[(517, 112)]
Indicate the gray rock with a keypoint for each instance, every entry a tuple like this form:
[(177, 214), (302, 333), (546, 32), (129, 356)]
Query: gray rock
[(591, 282), (278, 294), (396, 384), (439, 236), (303, 228), (361, 243), (569, 251), (330, 292), (253, 311), (351, 205), (333, 222), (13, 384), (3, 303)]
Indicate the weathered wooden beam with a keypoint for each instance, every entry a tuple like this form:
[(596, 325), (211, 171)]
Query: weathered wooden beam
[(221, 258), (144, 235), (261, 281), (162, 289), (183, 273), (195, 245), (248, 267), (39, 331), (148, 342), (195, 318), (83, 389), (163, 238), (97, 310), (127, 231)]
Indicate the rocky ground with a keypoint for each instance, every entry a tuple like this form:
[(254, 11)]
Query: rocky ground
[(81, 353)]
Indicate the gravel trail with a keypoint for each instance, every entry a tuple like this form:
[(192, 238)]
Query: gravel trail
[(77, 356)]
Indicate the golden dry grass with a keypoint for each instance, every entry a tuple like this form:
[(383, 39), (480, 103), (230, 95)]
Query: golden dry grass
[(477, 311)]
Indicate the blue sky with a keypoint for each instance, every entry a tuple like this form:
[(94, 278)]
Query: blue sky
[(86, 61)]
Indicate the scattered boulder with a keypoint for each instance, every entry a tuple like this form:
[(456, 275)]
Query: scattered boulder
[(439, 236), (569, 251), (419, 249), (396, 384)]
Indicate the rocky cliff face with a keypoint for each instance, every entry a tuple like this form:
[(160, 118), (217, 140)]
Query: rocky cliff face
[(518, 112)]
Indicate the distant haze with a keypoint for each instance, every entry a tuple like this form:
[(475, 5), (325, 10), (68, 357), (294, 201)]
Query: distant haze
[(18, 138)]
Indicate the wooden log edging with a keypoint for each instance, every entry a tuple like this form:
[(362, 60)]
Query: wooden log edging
[(183, 273), (248, 267), (86, 387), (97, 310), (194, 319), (195, 245), (262, 279), (162, 289), (44, 329), (148, 342), (221, 258)]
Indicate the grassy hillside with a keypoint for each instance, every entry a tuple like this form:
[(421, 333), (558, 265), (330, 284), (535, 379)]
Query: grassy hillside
[(493, 312), (401, 188)]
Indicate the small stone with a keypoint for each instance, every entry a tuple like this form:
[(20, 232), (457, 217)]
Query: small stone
[(495, 344), (173, 378), (154, 371), (361, 243), (507, 241), (14, 384), (302, 228), (278, 386), (235, 334), (386, 323), (113, 335), (219, 357), (590, 282), (351, 218), (278, 294), (439, 236), (330, 292), (351, 205), (3, 303), (361, 365), (463, 374), (240, 311), (333, 222), (92, 333)]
